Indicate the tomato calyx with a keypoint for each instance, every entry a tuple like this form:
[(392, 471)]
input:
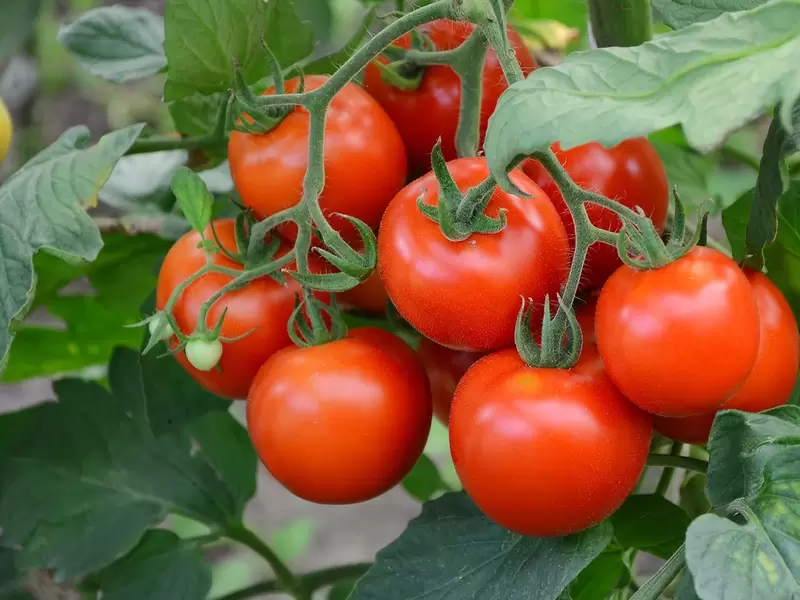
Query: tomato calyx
[(307, 326), (640, 246), (560, 346), (460, 215)]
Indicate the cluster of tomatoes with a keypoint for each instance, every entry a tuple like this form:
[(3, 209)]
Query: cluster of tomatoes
[(541, 451)]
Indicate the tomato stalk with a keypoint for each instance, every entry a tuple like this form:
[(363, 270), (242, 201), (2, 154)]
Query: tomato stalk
[(669, 472), (681, 462), (655, 586), (621, 22), (293, 585), (312, 581)]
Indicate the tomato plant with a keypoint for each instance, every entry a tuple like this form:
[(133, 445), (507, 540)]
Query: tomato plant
[(466, 295), (546, 452), (430, 110), (356, 215)]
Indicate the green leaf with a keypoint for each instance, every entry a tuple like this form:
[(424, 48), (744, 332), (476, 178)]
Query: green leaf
[(193, 197), (685, 589), (121, 277), (740, 446), (424, 481), (83, 478), (293, 539), (203, 36), (161, 566), (612, 94), (18, 23), (682, 13), (42, 207), (341, 591), (117, 43), (650, 523), (688, 170), (196, 115), (693, 496), (11, 579), (735, 219), (454, 549), (600, 578)]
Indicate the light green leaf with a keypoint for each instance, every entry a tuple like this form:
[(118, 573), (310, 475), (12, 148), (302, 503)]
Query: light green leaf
[(193, 197), (424, 481), (203, 36), (293, 539), (196, 114), (117, 43), (453, 551), (161, 566), (612, 94), (42, 207), (681, 13)]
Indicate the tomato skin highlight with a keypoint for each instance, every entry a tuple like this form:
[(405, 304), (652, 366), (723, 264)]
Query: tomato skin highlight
[(263, 306), (774, 374), (630, 173), (431, 111), (681, 339), (546, 452), (365, 161), (445, 368), (466, 295), (343, 422)]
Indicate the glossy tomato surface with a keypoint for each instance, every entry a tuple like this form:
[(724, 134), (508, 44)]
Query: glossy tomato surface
[(630, 173), (445, 368), (431, 111), (342, 422), (546, 452), (681, 339), (365, 161), (466, 295), (774, 374), (263, 308)]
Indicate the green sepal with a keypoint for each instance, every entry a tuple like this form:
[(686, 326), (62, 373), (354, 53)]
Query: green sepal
[(399, 75), (326, 282)]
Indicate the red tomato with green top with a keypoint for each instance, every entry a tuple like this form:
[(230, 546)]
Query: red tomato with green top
[(546, 452), (681, 339), (342, 422), (261, 309), (431, 111), (466, 295), (365, 160), (630, 173), (772, 380)]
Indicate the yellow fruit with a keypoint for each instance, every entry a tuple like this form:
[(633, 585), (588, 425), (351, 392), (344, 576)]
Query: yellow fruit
[(6, 130)]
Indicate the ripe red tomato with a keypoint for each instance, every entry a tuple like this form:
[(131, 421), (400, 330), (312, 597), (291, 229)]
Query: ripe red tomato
[(466, 295), (585, 314), (774, 374), (445, 368), (342, 422), (681, 339), (365, 161), (263, 306), (630, 173), (431, 111), (546, 452)]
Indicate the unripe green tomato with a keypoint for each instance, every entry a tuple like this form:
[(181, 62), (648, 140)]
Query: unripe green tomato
[(159, 327), (6, 130), (204, 355)]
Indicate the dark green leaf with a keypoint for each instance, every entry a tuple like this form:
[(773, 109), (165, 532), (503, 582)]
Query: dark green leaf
[(117, 43), (93, 323), (42, 207), (161, 566), (682, 13), (599, 579), (612, 94), (319, 15), (17, 24), (341, 591), (650, 523), (424, 481), (81, 479), (741, 444), (453, 551), (783, 256), (11, 579), (203, 36), (693, 496), (193, 197), (734, 219), (688, 170)]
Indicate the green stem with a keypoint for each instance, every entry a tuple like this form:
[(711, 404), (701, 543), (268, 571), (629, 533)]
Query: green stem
[(740, 155), (473, 200), (681, 462), (667, 474), (161, 144), (498, 39), (655, 586), (621, 22), (312, 581), (286, 579), (469, 67)]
